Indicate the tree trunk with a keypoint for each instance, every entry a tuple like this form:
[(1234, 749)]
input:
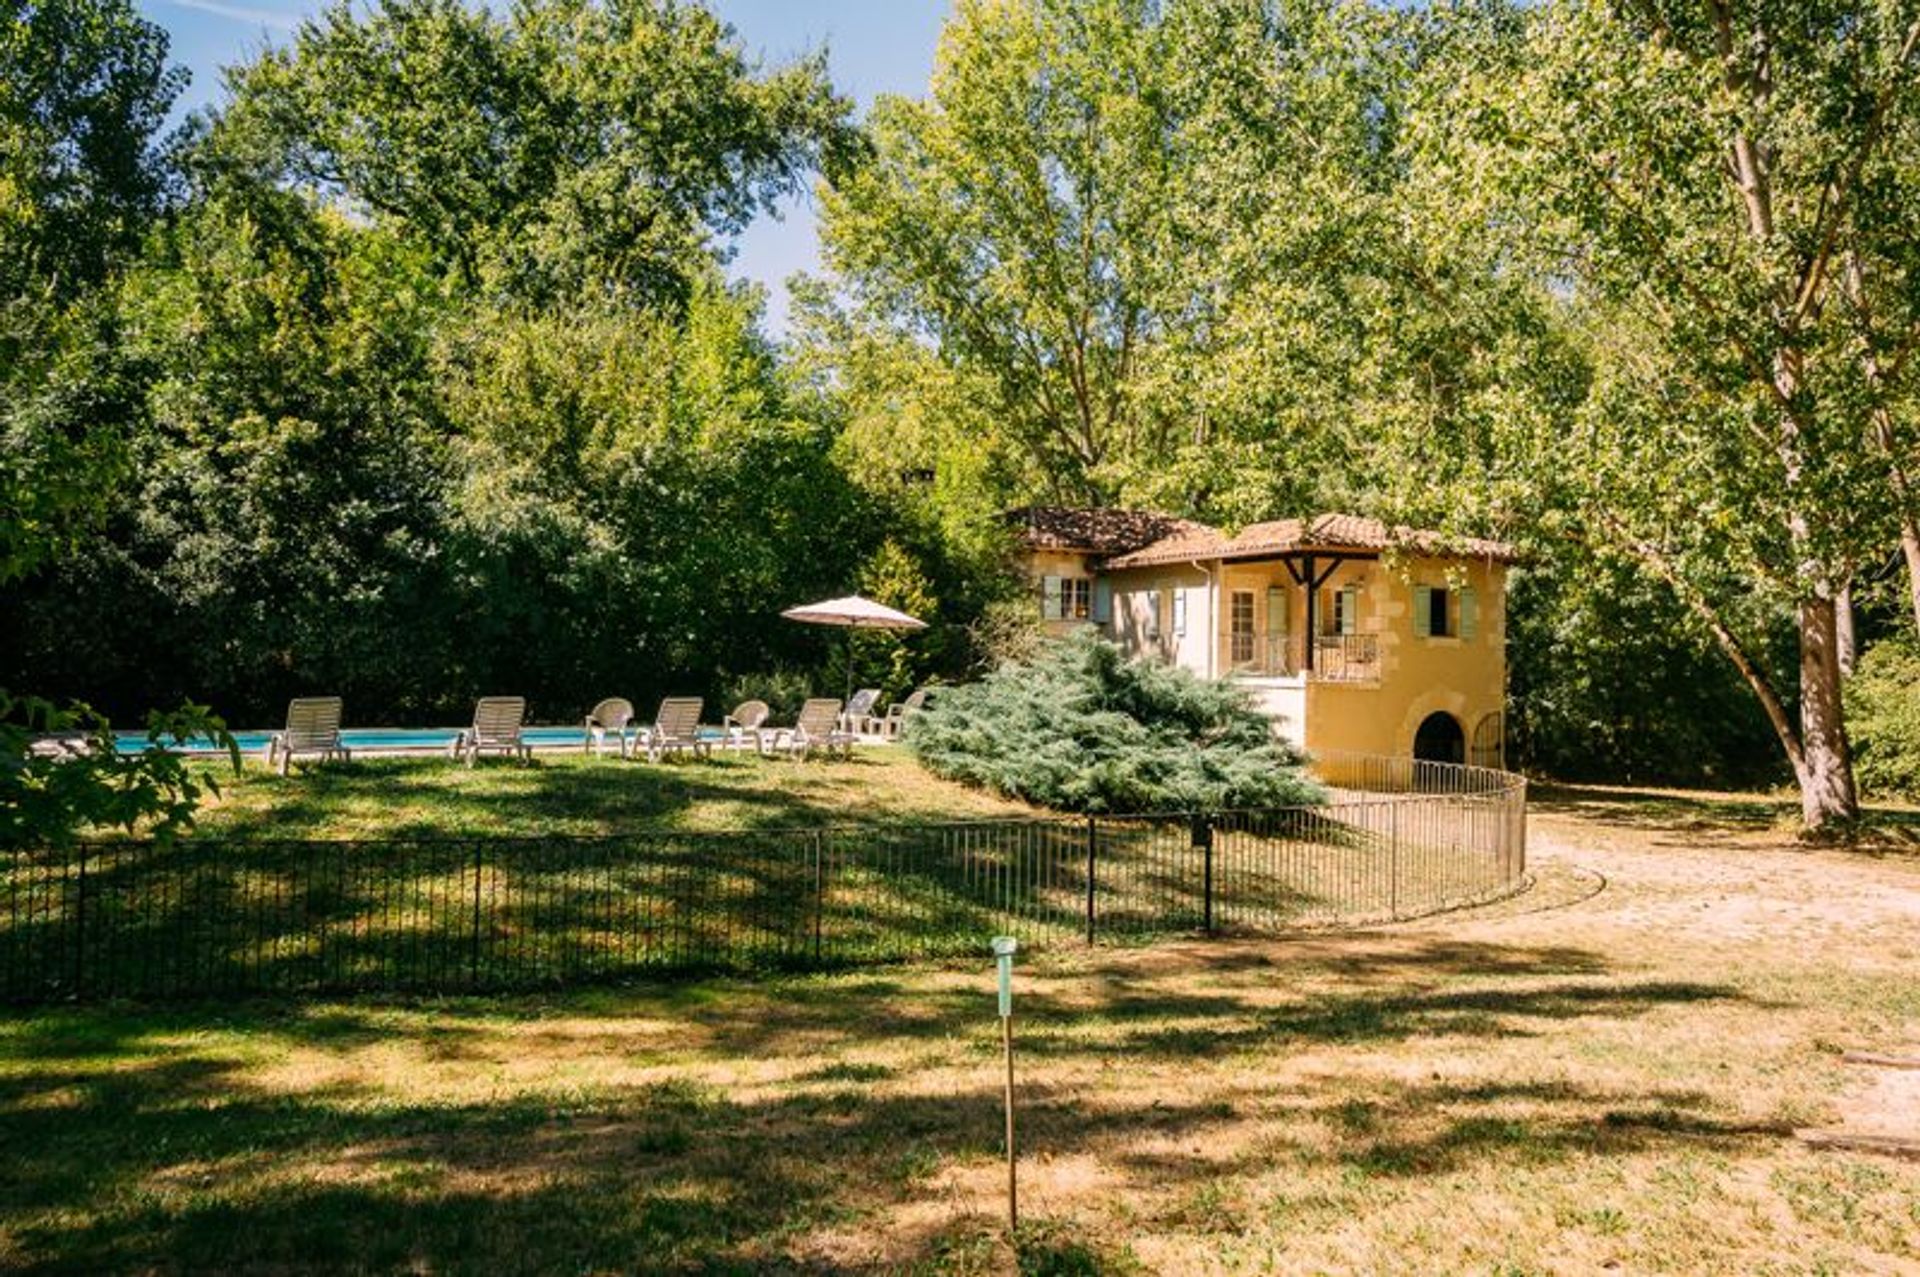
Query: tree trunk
[(1910, 547), (1846, 642), (1825, 765)]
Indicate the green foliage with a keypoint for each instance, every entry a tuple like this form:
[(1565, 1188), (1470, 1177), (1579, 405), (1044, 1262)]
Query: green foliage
[(1609, 679), (1883, 714), (555, 148), (396, 426), (61, 774), (84, 90), (1718, 202), (1080, 728), (784, 691), (896, 663)]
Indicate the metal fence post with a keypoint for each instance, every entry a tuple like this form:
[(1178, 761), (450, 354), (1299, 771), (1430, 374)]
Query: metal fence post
[(479, 873), (1203, 838), (1393, 859), (1093, 844), (80, 926), (819, 890)]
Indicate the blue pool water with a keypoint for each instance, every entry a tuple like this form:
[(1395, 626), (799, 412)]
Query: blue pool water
[(372, 739)]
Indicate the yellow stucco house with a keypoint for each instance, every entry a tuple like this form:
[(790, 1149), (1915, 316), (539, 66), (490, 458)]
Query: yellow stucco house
[(1349, 634)]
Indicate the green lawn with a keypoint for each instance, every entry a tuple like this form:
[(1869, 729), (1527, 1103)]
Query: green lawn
[(564, 794), (416, 875), (1603, 1075)]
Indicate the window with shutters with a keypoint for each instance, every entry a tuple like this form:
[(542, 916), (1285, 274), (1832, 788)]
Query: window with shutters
[(1444, 612), (1066, 598), (1341, 613)]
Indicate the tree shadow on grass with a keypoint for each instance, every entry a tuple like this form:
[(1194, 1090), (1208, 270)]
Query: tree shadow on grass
[(178, 1158), (1881, 828), (1668, 811), (432, 797)]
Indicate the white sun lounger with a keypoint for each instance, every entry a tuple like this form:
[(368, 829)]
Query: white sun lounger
[(313, 728), (817, 730), (675, 730), (496, 729)]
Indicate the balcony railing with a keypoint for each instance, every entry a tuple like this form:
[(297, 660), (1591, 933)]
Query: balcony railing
[(1337, 658)]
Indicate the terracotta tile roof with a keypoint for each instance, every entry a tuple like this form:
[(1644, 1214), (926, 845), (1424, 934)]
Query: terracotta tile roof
[(1325, 533), (1095, 531)]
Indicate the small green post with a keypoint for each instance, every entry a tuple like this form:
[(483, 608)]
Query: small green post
[(1004, 947)]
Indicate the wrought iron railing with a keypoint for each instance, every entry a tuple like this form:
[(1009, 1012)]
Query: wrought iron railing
[(1337, 658), (201, 916)]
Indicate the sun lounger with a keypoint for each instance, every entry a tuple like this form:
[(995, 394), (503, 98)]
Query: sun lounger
[(496, 729), (746, 727), (675, 730), (613, 715), (817, 730), (857, 716), (896, 716), (313, 727)]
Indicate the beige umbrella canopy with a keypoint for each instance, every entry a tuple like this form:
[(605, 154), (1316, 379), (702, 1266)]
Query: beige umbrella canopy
[(853, 613)]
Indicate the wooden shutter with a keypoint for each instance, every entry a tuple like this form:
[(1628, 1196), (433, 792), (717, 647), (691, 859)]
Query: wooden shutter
[(1052, 603), (1102, 602), (1180, 613), (1423, 611), (1350, 609), (1277, 608), (1469, 613)]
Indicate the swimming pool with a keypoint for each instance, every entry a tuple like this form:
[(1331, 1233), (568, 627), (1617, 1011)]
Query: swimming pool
[(374, 740)]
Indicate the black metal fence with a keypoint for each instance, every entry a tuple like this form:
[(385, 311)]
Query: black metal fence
[(198, 917)]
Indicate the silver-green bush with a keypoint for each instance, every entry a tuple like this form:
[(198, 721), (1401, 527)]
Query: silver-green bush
[(1078, 727)]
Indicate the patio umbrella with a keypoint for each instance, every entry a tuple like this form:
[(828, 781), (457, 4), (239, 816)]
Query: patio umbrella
[(853, 613)]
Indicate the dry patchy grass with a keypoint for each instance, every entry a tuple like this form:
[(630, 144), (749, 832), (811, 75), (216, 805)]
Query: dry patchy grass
[(1604, 1073)]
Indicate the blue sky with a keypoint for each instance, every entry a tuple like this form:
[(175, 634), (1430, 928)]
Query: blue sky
[(873, 46)]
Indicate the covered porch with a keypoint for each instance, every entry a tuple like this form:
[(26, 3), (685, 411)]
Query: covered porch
[(1298, 616)]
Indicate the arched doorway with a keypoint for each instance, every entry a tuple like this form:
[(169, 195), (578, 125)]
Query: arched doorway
[(1440, 739)]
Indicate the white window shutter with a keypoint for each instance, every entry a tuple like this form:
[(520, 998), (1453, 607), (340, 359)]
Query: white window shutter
[(1180, 613), (1350, 610), (1423, 611), (1469, 613), (1102, 602)]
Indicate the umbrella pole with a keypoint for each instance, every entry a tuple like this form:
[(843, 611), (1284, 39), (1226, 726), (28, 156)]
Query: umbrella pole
[(849, 695)]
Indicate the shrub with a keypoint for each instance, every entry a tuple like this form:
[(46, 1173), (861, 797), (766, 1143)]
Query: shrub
[(1883, 717), (1080, 728), (784, 691)]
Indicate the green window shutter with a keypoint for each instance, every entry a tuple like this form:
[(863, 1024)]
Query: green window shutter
[(1423, 611), (1102, 602), (1469, 613), (1052, 600), (1350, 609)]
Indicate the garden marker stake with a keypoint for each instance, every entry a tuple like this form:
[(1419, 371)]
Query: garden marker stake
[(1003, 949)]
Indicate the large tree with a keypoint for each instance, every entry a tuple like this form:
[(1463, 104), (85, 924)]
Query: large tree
[(1159, 254), (84, 91), (1713, 194), (542, 150)]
